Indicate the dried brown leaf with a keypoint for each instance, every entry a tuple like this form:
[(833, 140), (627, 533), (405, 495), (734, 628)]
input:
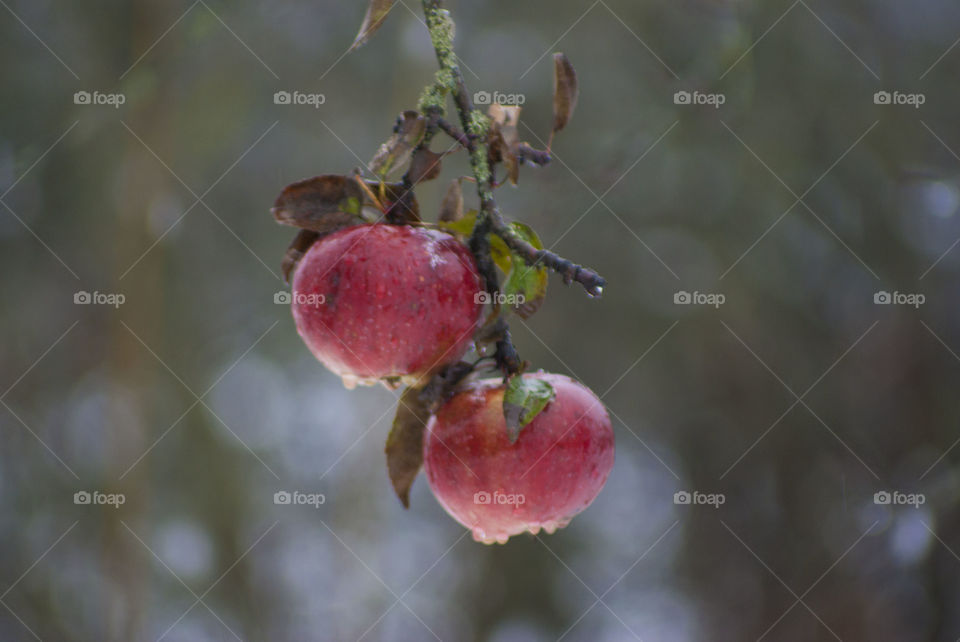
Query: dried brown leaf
[(321, 204), (565, 91), (451, 209), (396, 151), (377, 12), (504, 138), (405, 442), (424, 166), (298, 247)]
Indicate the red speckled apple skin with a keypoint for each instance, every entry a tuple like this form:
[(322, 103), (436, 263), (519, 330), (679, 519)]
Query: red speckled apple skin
[(558, 465), (381, 300)]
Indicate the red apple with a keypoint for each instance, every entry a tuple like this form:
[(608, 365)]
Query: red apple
[(374, 301), (554, 470)]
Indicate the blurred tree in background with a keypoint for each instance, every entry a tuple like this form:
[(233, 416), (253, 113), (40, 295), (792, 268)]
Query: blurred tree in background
[(802, 198)]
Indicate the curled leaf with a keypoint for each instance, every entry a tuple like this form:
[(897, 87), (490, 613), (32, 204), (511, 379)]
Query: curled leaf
[(504, 139), (321, 204), (451, 209), (565, 91), (405, 442), (396, 151), (526, 285), (523, 400), (377, 12), (424, 166), (301, 243)]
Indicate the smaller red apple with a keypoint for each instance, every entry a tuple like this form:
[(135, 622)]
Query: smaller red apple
[(554, 470), (376, 301)]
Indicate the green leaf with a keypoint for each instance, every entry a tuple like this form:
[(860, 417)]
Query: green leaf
[(377, 12), (526, 286), (461, 227), (523, 400), (500, 253), (405, 443), (351, 205)]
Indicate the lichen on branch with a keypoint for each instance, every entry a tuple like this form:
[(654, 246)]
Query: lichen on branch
[(476, 126)]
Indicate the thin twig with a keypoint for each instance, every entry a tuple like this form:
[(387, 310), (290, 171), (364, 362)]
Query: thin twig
[(453, 132)]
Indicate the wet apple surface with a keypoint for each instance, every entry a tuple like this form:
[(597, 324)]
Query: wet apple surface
[(374, 301), (553, 471)]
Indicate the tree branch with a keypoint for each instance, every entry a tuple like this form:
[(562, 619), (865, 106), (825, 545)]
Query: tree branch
[(453, 132), (449, 79), (592, 282)]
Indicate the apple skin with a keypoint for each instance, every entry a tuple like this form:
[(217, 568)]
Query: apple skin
[(374, 301), (559, 463)]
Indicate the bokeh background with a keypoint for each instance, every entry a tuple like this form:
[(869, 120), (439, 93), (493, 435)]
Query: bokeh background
[(799, 199)]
